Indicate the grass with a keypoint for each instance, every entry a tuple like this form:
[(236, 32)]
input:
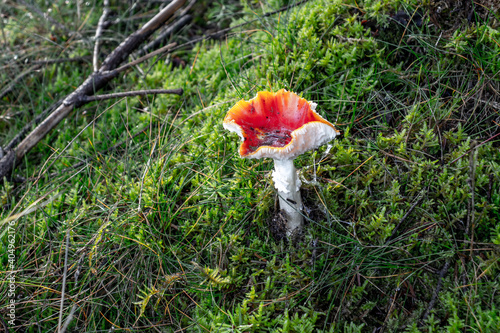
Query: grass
[(171, 230)]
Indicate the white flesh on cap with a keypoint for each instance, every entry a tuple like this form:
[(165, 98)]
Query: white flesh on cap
[(305, 138)]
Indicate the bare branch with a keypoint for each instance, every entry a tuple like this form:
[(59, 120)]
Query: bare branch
[(28, 127), (134, 40), (144, 58), (87, 99), (64, 280), (93, 83), (162, 37), (98, 79), (98, 33), (222, 32), (472, 187), (21, 135), (58, 61)]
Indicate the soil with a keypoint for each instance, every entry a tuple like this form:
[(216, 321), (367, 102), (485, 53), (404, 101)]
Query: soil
[(450, 15)]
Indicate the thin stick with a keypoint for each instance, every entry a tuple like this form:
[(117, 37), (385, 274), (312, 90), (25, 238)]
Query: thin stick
[(132, 93), (472, 186), (218, 33), (176, 26), (58, 61), (442, 273), (73, 308), (221, 33), (93, 83), (395, 230), (97, 80), (144, 58), (37, 120), (98, 33), (64, 281)]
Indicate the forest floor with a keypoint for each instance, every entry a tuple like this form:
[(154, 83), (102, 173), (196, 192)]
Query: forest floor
[(138, 214)]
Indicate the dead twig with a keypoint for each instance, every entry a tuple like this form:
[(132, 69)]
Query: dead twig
[(472, 186), (143, 58), (28, 127), (98, 79), (395, 230), (87, 99), (162, 37), (442, 274), (93, 83), (220, 33), (64, 280), (98, 33), (69, 318)]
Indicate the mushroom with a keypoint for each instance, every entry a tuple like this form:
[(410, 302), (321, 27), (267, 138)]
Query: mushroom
[(280, 126)]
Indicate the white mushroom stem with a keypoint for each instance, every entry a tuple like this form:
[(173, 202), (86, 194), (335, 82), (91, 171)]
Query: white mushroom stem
[(288, 185)]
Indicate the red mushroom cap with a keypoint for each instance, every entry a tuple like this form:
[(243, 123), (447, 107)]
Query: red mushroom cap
[(278, 125)]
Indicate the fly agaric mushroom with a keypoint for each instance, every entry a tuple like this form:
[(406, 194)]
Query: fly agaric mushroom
[(280, 126)]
